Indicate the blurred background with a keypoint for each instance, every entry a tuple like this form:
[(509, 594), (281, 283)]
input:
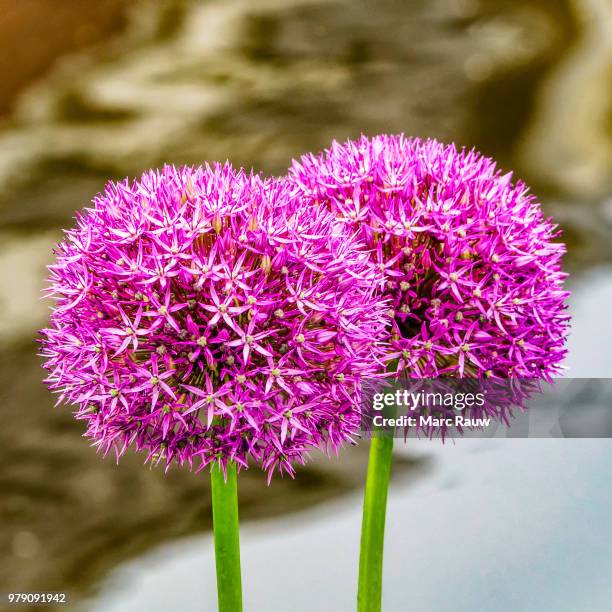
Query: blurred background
[(99, 90)]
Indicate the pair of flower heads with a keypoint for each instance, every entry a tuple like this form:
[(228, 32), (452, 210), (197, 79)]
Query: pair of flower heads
[(210, 314)]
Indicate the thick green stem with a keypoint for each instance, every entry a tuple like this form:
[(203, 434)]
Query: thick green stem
[(227, 537), (369, 596)]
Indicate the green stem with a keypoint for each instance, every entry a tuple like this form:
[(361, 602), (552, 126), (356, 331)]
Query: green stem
[(369, 596), (227, 537)]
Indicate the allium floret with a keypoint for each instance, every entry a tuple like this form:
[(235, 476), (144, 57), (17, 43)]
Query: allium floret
[(209, 315), (472, 267)]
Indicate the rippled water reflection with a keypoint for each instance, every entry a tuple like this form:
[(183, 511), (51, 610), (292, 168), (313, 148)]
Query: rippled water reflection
[(188, 81)]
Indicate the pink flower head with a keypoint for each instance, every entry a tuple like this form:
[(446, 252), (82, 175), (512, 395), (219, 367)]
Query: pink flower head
[(472, 272), (206, 314)]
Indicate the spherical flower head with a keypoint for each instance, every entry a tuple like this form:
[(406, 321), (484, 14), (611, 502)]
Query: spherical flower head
[(472, 270), (209, 315)]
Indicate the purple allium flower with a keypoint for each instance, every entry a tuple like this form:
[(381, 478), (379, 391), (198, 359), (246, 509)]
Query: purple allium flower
[(472, 271), (206, 314)]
